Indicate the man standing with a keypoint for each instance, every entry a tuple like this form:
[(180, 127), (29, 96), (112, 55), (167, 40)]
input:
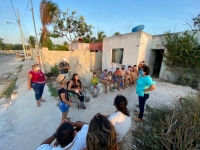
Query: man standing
[(64, 68)]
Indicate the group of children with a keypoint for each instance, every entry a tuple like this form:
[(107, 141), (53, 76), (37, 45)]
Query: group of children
[(119, 78)]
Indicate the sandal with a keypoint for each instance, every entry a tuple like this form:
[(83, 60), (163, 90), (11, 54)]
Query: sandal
[(38, 104), (83, 106), (42, 100)]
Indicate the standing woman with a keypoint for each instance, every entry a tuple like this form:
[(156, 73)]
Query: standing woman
[(76, 86), (63, 95), (143, 87), (36, 80)]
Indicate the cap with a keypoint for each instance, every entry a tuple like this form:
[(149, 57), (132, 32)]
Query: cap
[(61, 78), (64, 59)]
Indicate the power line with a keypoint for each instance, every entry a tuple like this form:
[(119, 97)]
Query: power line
[(6, 30), (25, 29), (26, 9), (13, 9)]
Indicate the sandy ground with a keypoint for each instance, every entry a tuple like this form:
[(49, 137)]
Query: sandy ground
[(24, 126)]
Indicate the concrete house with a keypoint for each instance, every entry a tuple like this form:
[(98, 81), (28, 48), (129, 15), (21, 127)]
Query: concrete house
[(131, 48)]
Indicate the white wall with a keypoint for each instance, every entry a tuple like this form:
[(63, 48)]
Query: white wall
[(128, 42), (157, 43), (79, 46), (144, 48)]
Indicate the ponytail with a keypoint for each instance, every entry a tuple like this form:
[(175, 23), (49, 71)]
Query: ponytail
[(121, 102)]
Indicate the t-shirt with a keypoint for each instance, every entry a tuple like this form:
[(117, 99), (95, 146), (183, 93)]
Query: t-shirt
[(122, 124), (62, 90), (103, 75), (94, 81), (79, 141), (143, 82), (37, 77), (61, 65)]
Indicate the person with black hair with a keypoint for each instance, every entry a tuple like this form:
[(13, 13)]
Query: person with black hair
[(145, 84), (123, 77), (66, 137), (117, 78), (121, 118), (76, 86)]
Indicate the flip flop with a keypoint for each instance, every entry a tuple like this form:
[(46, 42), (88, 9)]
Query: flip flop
[(38, 104), (42, 100)]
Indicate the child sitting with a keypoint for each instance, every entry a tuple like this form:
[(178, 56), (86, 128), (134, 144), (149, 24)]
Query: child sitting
[(94, 84)]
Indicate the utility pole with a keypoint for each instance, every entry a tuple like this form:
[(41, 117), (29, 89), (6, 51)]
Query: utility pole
[(37, 43), (22, 38)]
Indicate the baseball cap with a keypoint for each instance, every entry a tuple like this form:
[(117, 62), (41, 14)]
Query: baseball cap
[(64, 59)]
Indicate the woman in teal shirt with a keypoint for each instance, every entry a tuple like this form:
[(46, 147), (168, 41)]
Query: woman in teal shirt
[(143, 88)]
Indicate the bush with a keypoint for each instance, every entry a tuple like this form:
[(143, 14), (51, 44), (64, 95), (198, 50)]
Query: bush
[(177, 128), (8, 91), (53, 90), (55, 70)]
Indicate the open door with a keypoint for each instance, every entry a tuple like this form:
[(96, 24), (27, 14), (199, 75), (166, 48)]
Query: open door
[(158, 62)]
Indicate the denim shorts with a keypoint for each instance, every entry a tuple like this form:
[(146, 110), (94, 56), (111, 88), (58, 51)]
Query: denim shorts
[(63, 107)]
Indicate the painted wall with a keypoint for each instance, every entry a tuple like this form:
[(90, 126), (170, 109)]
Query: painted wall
[(129, 42), (96, 46)]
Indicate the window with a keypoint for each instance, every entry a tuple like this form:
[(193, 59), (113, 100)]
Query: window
[(117, 55)]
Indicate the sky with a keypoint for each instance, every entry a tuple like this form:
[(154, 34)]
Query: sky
[(109, 16)]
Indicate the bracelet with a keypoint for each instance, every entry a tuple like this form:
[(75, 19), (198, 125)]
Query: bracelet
[(54, 135)]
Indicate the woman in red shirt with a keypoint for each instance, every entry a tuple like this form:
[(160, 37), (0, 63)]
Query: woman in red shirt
[(36, 80)]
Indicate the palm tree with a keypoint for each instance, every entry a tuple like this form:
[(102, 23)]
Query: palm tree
[(116, 33), (48, 10), (100, 36), (31, 40)]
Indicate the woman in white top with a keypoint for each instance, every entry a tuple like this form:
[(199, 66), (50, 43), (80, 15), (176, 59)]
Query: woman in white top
[(121, 118)]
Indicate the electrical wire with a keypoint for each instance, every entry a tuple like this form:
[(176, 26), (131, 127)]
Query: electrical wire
[(26, 9), (6, 30), (13, 9), (25, 29)]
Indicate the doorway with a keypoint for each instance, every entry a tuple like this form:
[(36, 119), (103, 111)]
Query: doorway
[(158, 62)]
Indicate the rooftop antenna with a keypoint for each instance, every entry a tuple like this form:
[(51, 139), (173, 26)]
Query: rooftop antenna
[(175, 27)]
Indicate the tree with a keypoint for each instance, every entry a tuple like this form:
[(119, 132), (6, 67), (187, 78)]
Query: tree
[(70, 25), (86, 39), (116, 33), (48, 11), (65, 43), (1, 43), (100, 36), (31, 41), (196, 21), (182, 57)]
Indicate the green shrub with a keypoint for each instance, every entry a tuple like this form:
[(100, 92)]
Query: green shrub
[(55, 70), (53, 90), (176, 128), (23, 59), (8, 91)]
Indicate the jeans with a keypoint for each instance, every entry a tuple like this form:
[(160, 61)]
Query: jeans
[(92, 89), (81, 97), (38, 91), (142, 101)]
